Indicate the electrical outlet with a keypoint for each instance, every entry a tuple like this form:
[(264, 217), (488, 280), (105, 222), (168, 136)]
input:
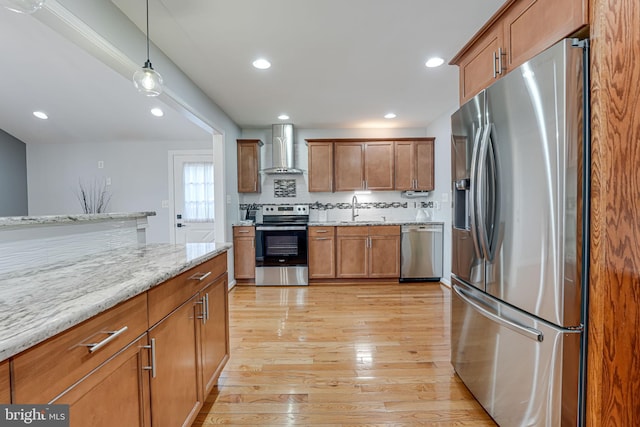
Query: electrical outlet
[(165, 203), (100, 164), (445, 197), (108, 181)]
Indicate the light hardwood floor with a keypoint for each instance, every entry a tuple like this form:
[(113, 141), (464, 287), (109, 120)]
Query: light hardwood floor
[(340, 356)]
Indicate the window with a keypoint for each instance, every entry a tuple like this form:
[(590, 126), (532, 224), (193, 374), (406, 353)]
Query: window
[(198, 192)]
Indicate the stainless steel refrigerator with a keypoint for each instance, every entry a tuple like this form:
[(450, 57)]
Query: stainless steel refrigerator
[(520, 240)]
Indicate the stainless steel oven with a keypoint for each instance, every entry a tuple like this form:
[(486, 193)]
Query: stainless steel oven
[(281, 246)]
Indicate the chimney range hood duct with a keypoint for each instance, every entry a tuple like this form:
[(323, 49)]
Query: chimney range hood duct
[(282, 151)]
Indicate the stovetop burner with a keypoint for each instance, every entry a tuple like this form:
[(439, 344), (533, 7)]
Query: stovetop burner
[(285, 214)]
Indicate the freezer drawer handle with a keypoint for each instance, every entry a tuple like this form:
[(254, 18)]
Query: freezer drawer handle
[(523, 330)]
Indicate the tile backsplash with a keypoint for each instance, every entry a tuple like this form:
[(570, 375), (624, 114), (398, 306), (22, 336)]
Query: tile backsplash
[(391, 205)]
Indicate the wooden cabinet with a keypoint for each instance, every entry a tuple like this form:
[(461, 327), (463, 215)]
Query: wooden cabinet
[(384, 252), (249, 165), (349, 166), (46, 370), (352, 245), (176, 395), (149, 361), (116, 393), (516, 33), (483, 64), (415, 165), (552, 20), (5, 383), (368, 252), (244, 252), (214, 332), (322, 253), (378, 165), (364, 165), (320, 155), (371, 164)]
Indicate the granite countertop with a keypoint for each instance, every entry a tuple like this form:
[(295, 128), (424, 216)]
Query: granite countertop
[(18, 221), (354, 223), (39, 303), (365, 222)]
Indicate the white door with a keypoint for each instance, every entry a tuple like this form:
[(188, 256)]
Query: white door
[(193, 198)]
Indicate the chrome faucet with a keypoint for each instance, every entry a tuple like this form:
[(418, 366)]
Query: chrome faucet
[(354, 202)]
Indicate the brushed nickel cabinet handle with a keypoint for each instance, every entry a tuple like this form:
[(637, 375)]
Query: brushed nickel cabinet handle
[(243, 231), (203, 315), (200, 276), (206, 306), (151, 368), (93, 347)]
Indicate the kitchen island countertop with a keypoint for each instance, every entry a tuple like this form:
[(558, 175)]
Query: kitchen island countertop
[(36, 304), (28, 221)]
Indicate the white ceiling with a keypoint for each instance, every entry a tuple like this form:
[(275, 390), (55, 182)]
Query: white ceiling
[(86, 101), (336, 64)]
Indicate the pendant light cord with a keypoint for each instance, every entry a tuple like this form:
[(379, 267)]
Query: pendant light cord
[(148, 31)]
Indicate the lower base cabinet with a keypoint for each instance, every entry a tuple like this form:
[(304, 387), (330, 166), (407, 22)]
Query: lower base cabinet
[(115, 394), (175, 388), (158, 377), (214, 332), (368, 252)]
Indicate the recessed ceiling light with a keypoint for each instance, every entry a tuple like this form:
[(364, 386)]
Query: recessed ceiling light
[(283, 117), (41, 115), (157, 112), (390, 116), (434, 62), (261, 64)]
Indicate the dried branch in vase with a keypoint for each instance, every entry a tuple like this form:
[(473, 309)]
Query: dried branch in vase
[(93, 198)]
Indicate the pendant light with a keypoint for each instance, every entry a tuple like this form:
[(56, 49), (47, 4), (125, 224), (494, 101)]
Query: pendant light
[(146, 79), (22, 6)]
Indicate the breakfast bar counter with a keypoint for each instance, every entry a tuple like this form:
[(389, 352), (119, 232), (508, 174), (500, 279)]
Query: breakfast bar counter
[(36, 304)]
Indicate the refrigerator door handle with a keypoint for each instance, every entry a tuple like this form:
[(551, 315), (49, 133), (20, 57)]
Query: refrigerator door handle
[(480, 196), (473, 193), (528, 332)]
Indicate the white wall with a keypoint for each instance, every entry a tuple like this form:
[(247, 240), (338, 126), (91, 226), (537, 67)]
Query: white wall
[(13, 176), (138, 171), (440, 128), (103, 17)]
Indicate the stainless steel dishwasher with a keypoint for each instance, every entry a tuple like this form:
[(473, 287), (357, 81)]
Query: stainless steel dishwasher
[(421, 252)]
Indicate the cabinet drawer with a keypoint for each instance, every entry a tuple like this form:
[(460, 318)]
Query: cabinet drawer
[(384, 230), (353, 230), (115, 394), (168, 296), (244, 231), (46, 370), (321, 231)]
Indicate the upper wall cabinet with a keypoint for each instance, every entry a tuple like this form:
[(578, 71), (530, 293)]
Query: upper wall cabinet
[(366, 165), (371, 164), (320, 166), (249, 165), (414, 160), (517, 32)]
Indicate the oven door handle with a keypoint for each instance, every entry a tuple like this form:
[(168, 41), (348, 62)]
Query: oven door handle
[(283, 228)]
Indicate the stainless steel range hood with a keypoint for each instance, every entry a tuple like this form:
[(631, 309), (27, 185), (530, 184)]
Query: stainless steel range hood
[(282, 151)]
